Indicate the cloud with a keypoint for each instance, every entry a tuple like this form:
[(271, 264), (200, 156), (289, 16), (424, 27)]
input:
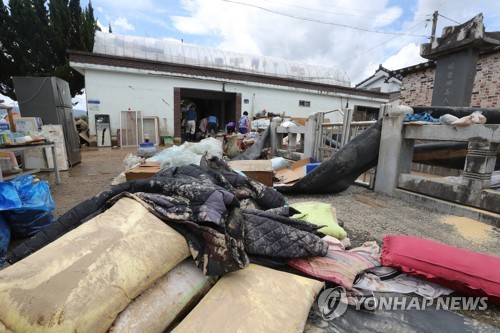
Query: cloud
[(312, 32), (7, 100), (122, 24), (101, 26), (297, 34), (388, 16), (80, 101), (409, 55)]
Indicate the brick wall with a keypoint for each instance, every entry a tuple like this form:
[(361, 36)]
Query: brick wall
[(417, 85), (486, 91)]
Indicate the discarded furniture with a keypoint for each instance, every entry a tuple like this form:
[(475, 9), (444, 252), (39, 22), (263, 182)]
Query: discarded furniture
[(23, 149)]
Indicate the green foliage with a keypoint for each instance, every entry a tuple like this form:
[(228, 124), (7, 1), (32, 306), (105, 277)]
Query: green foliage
[(35, 36)]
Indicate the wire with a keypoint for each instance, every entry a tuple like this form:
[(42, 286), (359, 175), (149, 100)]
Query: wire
[(324, 22), (449, 19), (352, 9), (343, 14), (384, 42), (378, 45)]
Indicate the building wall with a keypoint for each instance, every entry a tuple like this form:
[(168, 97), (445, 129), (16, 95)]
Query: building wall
[(486, 91), (417, 86), (118, 90)]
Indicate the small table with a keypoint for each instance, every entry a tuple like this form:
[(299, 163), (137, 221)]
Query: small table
[(22, 148)]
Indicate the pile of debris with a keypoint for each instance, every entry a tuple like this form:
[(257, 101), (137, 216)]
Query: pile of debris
[(162, 253)]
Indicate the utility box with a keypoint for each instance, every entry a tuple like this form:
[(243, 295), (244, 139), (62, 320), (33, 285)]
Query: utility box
[(103, 130)]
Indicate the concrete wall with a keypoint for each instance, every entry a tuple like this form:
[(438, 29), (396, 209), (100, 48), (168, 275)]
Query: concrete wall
[(417, 86), (119, 90)]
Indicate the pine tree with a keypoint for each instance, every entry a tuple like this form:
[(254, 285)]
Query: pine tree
[(5, 59), (34, 39), (89, 28)]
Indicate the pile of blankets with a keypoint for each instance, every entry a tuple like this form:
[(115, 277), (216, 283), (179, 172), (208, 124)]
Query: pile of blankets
[(228, 220)]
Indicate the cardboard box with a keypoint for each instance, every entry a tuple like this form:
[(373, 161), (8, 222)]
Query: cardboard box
[(293, 172), (143, 171), (259, 170)]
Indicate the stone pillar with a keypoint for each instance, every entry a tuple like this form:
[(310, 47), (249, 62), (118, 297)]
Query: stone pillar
[(395, 153), (456, 53), (276, 139), (454, 78), (479, 164), (310, 138)]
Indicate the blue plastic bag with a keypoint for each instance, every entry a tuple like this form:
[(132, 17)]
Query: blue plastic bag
[(21, 182), (9, 199), (4, 239), (36, 209)]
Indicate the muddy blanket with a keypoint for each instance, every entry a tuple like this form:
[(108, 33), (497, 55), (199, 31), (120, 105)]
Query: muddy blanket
[(225, 217)]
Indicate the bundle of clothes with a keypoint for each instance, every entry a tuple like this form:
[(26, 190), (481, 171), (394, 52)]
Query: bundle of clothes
[(228, 220)]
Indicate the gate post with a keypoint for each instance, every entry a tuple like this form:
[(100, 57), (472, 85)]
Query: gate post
[(395, 153)]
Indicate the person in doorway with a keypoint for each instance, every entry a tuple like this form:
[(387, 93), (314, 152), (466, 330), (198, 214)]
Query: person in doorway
[(230, 127), (191, 122), (212, 126), (244, 123)]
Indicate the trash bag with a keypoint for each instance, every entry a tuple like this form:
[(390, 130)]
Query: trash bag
[(131, 161), (9, 199), (4, 239), (36, 209)]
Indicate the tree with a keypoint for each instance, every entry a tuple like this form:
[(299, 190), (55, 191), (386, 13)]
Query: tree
[(109, 28), (35, 37)]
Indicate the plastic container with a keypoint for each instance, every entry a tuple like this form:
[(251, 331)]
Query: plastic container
[(146, 150), (311, 166)]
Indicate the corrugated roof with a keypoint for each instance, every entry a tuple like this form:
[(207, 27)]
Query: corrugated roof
[(176, 52)]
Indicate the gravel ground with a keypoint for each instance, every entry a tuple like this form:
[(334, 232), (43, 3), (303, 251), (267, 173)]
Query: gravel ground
[(366, 215)]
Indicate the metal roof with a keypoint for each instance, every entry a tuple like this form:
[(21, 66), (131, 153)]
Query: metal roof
[(181, 53)]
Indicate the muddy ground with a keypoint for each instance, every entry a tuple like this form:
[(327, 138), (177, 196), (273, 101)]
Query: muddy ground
[(366, 215)]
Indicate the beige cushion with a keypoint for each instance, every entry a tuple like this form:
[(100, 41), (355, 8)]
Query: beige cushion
[(254, 299), (165, 301), (81, 281)]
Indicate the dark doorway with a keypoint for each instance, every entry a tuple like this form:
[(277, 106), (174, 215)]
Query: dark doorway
[(225, 106)]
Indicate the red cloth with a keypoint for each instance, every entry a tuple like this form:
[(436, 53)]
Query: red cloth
[(468, 272)]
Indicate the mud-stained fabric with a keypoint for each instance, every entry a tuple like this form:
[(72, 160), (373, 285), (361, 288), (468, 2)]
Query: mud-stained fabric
[(81, 281), (203, 203), (255, 299), (166, 301)]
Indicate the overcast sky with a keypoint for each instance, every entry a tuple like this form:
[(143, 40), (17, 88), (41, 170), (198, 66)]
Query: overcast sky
[(354, 36)]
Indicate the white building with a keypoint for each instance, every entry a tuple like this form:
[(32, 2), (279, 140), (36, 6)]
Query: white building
[(382, 80), (128, 77)]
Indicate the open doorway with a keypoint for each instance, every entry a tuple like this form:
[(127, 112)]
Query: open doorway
[(225, 106)]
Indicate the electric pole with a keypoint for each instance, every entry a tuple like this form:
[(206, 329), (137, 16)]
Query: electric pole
[(434, 24)]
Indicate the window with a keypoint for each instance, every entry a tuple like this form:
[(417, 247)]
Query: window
[(306, 104)]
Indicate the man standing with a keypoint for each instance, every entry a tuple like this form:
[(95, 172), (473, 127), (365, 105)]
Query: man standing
[(191, 122)]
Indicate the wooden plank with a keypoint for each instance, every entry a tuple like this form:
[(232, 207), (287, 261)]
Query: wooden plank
[(259, 170), (12, 124)]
